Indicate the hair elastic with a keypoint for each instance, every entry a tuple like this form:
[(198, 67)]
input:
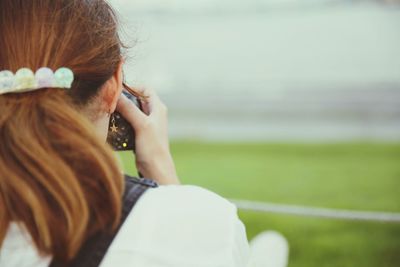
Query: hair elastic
[(25, 80)]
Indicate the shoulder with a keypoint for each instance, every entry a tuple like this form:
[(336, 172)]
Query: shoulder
[(176, 209), (182, 200), (181, 224)]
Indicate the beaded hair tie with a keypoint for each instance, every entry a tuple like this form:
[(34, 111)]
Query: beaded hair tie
[(25, 80)]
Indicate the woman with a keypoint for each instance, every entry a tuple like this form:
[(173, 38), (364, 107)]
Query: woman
[(60, 183)]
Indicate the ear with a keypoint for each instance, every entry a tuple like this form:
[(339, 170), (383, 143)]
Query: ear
[(112, 89)]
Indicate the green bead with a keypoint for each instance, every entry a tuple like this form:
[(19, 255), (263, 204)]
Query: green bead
[(64, 77), (25, 79)]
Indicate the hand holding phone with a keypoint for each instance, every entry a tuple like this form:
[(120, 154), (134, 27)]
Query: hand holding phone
[(150, 121)]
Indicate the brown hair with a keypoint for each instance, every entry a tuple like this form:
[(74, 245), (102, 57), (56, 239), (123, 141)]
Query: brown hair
[(57, 179)]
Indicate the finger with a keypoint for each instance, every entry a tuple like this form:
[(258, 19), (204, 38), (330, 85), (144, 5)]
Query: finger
[(144, 106), (153, 103), (144, 101), (149, 100)]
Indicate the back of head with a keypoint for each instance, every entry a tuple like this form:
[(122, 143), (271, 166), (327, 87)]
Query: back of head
[(56, 177)]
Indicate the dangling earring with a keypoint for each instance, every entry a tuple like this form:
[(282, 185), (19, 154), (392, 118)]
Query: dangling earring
[(113, 127)]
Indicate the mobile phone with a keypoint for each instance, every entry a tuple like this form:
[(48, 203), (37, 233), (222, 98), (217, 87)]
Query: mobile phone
[(121, 135)]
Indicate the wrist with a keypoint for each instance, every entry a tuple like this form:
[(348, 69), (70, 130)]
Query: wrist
[(161, 169)]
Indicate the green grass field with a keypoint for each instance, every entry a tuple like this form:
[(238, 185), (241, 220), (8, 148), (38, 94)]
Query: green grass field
[(348, 176)]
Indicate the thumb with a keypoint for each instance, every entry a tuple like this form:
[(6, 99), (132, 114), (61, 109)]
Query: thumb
[(130, 112)]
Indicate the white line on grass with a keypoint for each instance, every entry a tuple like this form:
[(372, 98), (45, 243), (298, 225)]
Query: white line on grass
[(317, 212)]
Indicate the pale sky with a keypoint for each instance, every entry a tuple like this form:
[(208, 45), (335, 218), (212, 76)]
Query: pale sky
[(193, 4)]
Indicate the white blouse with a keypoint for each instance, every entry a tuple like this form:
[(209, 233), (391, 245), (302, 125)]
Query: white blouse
[(170, 226)]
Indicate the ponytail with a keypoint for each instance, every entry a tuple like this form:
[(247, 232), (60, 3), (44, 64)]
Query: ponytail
[(57, 178)]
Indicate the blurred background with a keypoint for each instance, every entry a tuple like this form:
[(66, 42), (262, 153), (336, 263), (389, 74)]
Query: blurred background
[(283, 101)]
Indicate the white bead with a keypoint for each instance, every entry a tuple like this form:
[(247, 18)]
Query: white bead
[(45, 78), (6, 81)]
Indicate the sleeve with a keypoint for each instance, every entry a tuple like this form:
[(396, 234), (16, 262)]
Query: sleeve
[(180, 226)]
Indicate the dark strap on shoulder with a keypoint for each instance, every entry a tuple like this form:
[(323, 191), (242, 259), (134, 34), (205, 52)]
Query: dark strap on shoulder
[(94, 249)]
